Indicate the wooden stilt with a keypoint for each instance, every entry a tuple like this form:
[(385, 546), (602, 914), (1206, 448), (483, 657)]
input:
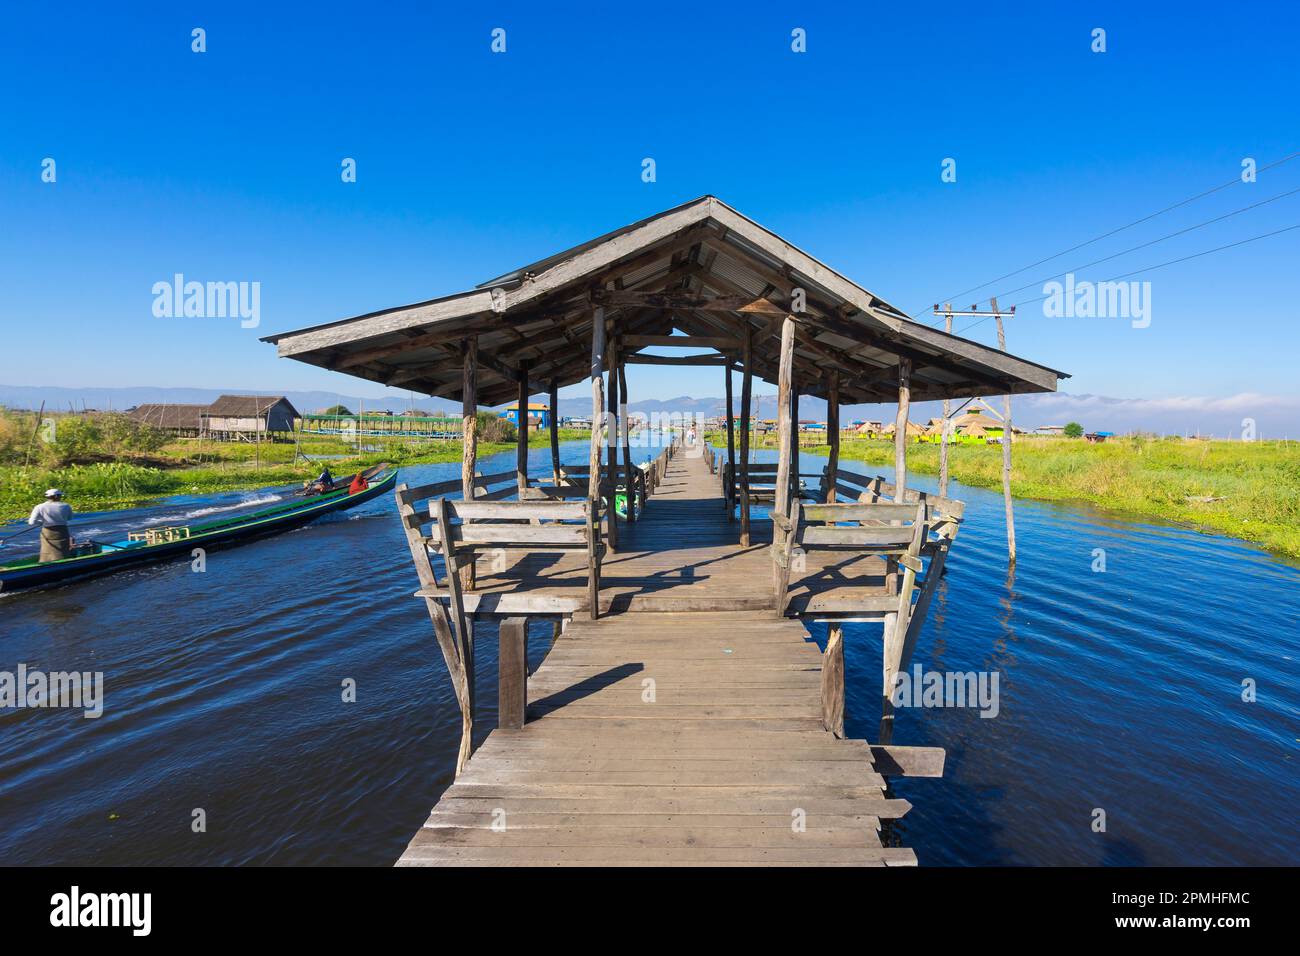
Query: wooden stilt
[(794, 440), (597, 411), (625, 428), (521, 434), (469, 434), (785, 370), (900, 427), (833, 682), (730, 472), (554, 416), (613, 437), (512, 675), (832, 438), (746, 421)]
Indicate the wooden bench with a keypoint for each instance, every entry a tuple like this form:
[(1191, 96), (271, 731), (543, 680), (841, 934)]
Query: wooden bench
[(888, 529)]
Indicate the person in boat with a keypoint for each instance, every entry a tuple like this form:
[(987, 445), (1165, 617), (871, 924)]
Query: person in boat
[(359, 483), (322, 484), (53, 515)]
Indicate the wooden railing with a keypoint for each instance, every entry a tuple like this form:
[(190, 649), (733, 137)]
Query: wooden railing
[(912, 531)]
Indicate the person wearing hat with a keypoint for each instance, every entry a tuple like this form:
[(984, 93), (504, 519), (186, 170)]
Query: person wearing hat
[(53, 515)]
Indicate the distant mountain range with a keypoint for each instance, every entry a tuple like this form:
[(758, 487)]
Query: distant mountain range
[(1274, 416)]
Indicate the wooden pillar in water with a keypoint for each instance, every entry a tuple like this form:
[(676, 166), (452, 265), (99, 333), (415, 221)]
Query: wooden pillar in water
[(469, 435), (900, 427), (785, 370), (730, 470), (832, 436), (625, 428), (521, 433), (746, 395), (597, 412), (554, 414), (833, 682)]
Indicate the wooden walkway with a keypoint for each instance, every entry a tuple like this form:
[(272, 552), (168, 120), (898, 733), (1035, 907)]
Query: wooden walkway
[(684, 728), (668, 739), (683, 555)]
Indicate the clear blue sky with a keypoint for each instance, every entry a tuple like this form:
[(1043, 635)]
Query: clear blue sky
[(225, 166)]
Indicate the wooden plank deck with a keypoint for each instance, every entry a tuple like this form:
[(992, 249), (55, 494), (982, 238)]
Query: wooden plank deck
[(717, 769), (682, 555)]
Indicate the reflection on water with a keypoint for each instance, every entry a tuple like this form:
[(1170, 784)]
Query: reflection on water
[(1119, 690)]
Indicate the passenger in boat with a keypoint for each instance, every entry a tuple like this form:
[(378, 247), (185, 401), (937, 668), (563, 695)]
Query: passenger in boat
[(53, 515), (322, 484), (359, 483)]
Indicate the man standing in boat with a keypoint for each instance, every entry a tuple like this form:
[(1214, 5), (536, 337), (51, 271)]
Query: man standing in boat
[(53, 515)]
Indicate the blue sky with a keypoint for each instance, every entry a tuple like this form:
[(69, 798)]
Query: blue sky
[(225, 166)]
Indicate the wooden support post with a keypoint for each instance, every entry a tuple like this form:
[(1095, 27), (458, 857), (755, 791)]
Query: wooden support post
[(512, 677), (521, 433), (785, 369), (554, 416), (463, 631), (613, 442), (469, 435), (625, 428), (1006, 446), (781, 506), (730, 470), (947, 410), (597, 413), (746, 396), (900, 428), (890, 670), (833, 682), (794, 440), (832, 437)]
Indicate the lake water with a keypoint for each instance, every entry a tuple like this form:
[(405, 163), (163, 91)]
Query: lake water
[(1119, 691)]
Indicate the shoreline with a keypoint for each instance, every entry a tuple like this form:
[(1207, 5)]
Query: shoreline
[(1256, 484)]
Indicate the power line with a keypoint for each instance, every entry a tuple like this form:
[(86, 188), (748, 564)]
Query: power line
[(1112, 232), (1180, 232), (1161, 265)]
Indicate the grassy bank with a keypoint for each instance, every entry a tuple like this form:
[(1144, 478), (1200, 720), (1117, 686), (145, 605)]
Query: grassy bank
[(1258, 482), (103, 479)]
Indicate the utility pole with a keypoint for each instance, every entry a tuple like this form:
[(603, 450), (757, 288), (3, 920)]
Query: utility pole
[(947, 410), (996, 314)]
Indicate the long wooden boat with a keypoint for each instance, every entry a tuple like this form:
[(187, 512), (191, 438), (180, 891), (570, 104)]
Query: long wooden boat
[(161, 543)]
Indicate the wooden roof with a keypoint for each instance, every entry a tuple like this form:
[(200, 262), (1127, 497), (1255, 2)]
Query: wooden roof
[(164, 415), (247, 406), (702, 270)]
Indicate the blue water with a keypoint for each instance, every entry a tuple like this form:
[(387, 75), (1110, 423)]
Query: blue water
[(1119, 691)]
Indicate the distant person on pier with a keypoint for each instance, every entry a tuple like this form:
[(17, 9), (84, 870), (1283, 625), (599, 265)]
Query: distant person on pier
[(359, 483), (53, 515)]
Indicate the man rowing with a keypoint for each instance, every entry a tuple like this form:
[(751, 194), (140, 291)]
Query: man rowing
[(53, 515)]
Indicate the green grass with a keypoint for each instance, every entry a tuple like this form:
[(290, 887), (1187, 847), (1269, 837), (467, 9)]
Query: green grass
[(106, 485), (191, 466), (1259, 482)]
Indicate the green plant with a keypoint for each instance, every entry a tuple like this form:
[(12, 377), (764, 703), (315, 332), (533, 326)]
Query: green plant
[(1074, 430)]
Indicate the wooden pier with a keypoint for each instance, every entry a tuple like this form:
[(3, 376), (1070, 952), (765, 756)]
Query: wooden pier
[(683, 715)]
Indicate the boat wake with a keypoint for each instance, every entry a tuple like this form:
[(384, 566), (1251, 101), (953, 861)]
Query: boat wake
[(215, 509)]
